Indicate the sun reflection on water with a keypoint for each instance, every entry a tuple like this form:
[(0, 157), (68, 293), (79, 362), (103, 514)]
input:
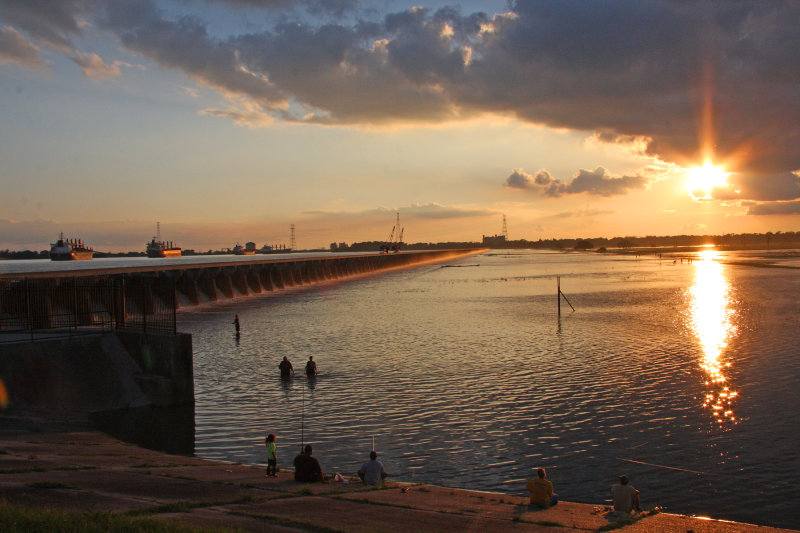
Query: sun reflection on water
[(712, 322)]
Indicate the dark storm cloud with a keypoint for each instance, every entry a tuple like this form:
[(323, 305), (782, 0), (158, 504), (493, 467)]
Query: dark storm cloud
[(626, 69), (596, 182)]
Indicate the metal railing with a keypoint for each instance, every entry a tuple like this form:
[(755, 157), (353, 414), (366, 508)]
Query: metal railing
[(71, 306)]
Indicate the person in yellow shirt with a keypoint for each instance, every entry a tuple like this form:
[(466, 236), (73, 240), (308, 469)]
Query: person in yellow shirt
[(541, 490)]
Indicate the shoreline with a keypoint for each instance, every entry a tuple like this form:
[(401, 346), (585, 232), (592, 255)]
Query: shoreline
[(90, 472)]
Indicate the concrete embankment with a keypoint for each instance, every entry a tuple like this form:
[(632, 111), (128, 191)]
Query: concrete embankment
[(136, 386), (90, 472), (193, 283)]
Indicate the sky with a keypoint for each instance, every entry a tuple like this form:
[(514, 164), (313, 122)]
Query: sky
[(228, 121)]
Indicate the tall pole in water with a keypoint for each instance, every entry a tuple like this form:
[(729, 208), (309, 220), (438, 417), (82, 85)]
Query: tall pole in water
[(558, 294)]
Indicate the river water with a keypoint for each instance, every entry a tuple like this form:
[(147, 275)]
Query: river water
[(681, 375)]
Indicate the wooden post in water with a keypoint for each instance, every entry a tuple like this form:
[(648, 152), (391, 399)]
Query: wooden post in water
[(558, 293)]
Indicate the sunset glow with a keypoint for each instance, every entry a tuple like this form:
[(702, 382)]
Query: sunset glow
[(335, 116), (712, 323), (702, 180)]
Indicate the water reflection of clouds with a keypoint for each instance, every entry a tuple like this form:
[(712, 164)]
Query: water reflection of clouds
[(712, 322)]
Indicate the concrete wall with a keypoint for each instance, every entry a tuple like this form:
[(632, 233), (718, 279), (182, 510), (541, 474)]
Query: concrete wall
[(99, 372), (197, 284)]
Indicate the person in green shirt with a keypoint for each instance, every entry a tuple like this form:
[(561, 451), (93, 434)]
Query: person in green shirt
[(272, 456)]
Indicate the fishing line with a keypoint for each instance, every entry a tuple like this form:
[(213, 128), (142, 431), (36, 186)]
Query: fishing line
[(668, 467)]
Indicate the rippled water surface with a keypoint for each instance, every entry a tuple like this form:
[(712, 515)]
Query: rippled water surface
[(682, 375)]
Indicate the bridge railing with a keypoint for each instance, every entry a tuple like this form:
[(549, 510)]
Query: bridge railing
[(56, 307)]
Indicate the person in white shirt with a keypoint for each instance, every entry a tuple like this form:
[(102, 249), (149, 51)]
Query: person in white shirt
[(372, 472), (625, 496)]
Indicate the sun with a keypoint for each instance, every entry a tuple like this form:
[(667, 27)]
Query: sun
[(702, 180)]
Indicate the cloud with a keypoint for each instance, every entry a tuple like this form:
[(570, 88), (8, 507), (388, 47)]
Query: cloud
[(776, 187), (775, 208), (439, 211), (694, 228), (51, 22), (589, 212), (95, 68), (14, 48), (425, 211), (331, 7), (597, 183), (642, 73)]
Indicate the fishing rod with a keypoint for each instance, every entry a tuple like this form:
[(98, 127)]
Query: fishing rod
[(302, 419)]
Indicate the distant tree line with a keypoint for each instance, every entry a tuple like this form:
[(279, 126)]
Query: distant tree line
[(24, 254), (744, 240)]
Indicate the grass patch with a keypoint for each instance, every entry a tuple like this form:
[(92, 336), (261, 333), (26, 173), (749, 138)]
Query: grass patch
[(181, 477), (159, 465), (372, 502), (43, 469), (313, 527), (49, 485), (27, 520), (187, 506)]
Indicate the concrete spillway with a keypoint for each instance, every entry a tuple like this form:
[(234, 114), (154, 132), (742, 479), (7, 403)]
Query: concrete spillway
[(138, 374), (199, 283), (216, 282)]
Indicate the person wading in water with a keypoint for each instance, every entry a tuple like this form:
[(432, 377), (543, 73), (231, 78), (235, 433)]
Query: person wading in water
[(287, 370), (311, 367)]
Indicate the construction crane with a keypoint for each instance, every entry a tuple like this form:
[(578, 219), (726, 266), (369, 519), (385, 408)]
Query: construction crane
[(395, 239)]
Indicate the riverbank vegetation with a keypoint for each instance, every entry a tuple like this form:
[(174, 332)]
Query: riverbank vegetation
[(17, 519)]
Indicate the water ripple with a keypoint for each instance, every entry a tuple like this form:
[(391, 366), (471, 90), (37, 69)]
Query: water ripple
[(466, 377)]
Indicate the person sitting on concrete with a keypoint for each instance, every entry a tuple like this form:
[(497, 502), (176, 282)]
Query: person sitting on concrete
[(625, 496), (541, 490), (372, 472), (306, 467), (311, 367), (287, 370)]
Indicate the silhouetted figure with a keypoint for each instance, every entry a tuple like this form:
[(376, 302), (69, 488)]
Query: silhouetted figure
[(306, 467), (287, 370), (625, 496), (541, 490), (371, 472), (236, 323), (272, 455), (311, 367)]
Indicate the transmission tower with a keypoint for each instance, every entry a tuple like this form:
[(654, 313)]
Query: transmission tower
[(292, 241), (505, 228)]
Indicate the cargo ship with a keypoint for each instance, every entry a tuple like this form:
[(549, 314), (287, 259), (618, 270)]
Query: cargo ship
[(70, 250), (158, 248), (241, 250)]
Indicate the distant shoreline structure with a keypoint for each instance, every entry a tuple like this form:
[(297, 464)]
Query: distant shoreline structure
[(157, 248), (70, 250), (648, 244)]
